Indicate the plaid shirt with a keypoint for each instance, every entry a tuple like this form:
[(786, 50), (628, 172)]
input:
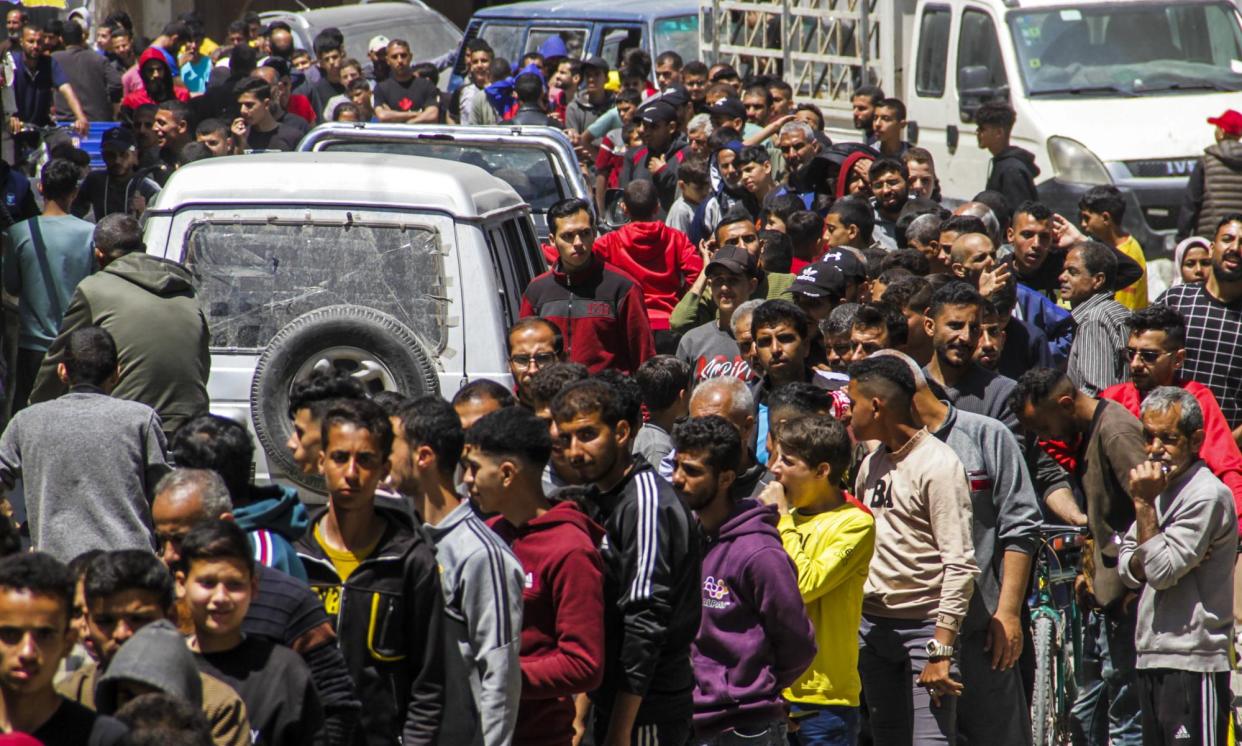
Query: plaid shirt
[(1095, 359), (1213, 344)]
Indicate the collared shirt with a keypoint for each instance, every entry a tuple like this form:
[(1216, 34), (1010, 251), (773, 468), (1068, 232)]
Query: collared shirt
[(1095, 359), (1213, 344), (33, 88)]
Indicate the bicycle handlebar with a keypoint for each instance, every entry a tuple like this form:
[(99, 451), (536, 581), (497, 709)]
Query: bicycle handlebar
[(1051, 529)]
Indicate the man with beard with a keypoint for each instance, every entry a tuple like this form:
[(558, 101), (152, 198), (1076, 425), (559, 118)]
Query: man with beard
[(36, 77), (799, 146), (1213, 313), (864, 102), (755, 638), (651, 571), (890, 183), (13, 22), (292, 111), (157, 82)]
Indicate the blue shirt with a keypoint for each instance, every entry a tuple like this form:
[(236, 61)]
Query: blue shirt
[(196, 74), (33, 88)]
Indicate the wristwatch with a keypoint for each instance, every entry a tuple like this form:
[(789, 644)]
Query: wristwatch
[(937, 650)]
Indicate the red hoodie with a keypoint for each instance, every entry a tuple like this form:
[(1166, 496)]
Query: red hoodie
[(562, 619), (661, 259), (140, 97), (1220, 451)]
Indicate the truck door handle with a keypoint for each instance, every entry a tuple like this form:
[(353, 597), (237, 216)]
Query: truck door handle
[(951, 136)]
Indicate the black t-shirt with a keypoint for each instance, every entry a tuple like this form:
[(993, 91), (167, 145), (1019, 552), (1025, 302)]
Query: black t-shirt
[(75, 725), (276, 686), (280, 137), (414, 94)]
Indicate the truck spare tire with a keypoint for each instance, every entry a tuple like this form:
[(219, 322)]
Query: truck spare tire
[(377, 349)]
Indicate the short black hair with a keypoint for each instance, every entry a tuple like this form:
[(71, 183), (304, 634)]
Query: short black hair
[(777, 311), (431, 421), (390, 401), (816, 112), (996, 113), (909, 293), (801, 397), (484, 388), (1160, 318), (528, 88), (1037, 210), (695, 67), (695, 171), (872, 92), (326, 41), (363, 414), (817, 439), (661, 379), (90, 356), (753, 154), (128, 570), (40, 574), (1098, 260), (256, 86), (592, 396), (856, 212), (477, 44), (1104, 199), (777, 251), (322, 388), (888, 315), (182, 111), (888, 373), (549, 380), (216, 539), (60, 179), (955, 293), (515, 432), (963, 224), (220, 444), (565, 208), (1233, 217), (804, 227), (1036, 385), (630, 392), (758, 89), (910, 259), (211, 125), (713, 435), (641, 200), (670, 57), (998, 203), (881, 166), (781, 206)]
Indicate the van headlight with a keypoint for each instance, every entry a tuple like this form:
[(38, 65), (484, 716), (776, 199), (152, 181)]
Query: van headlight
[(1073, 162)]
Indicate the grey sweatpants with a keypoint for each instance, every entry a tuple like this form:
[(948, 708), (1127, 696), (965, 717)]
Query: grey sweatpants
[(891, 655)]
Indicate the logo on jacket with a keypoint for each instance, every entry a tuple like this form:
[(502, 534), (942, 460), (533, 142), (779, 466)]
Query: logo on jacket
[(715, 593), (530, 580), (721, 367)]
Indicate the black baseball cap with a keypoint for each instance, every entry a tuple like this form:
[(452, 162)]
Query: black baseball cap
[(820, 280), (279, 64), (596, 62), (848, 262), (676, 96), (728, 107), (735, 259), (657, 112), (118, 138)]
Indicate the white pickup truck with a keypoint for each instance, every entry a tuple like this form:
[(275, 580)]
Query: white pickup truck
[(1106, 91)]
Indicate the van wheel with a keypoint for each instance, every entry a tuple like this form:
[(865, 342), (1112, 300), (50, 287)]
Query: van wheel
[(373, 347)]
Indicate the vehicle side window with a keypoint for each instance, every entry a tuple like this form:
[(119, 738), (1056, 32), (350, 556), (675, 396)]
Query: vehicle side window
[(977, 47), (933, 55), (616, 41), (510, 281), (504, 38), (574, 39)]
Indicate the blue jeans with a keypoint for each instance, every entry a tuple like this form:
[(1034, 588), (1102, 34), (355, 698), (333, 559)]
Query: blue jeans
[(829, 725), (1107, 707)]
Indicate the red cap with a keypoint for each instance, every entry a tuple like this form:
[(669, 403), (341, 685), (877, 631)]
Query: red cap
[(1230, 122)]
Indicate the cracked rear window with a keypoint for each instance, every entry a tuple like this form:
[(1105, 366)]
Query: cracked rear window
[(255, 278)]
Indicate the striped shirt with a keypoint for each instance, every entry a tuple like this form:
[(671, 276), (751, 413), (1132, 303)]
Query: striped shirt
[(1095, 360), (1213, 344)]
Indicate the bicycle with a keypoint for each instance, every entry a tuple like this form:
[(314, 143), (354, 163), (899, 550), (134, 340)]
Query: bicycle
[(1057, 624)]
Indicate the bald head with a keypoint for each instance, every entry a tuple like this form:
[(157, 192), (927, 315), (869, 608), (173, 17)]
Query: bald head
[(971, 255), (984, 213)]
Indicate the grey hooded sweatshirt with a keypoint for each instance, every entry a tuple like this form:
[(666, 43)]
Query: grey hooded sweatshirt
[(1185, 609)]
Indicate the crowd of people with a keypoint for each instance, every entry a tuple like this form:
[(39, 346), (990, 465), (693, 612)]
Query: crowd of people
[(772, 466)]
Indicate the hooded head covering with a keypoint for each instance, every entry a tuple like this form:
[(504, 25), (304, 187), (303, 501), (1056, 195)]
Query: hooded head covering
[(156, 656)]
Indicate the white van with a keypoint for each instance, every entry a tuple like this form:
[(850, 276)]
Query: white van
[(1106, 91)]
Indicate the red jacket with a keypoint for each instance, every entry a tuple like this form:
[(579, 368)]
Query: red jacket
[(600, 312), (661, 259), (562, 619), (301, 106), (1220, 451), (140, 97)]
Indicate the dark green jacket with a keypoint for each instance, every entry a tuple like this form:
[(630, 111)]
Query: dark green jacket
[(149, 307)]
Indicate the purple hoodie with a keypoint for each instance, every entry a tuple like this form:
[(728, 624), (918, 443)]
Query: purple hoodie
[(754, 637)]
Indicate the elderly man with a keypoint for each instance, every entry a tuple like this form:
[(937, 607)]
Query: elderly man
[(1179, 555), (1087, 282)]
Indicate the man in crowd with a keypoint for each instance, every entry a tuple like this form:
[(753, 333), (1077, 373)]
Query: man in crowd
[(479, 56), (256, 129), (651, 568), (403, 97), (863, 102), (534, 343), (1086, 282), (1109, 445), (890, 185), (711, 349), (329, 53), (664, 147), (888, 122), (1012, 171), (94, 82), (120, 186), (599, 310), (163, 365), (36, 77), (755, 638), (1179, 555)]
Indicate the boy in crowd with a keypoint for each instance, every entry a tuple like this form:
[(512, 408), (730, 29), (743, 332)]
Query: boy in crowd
[(217, 136), (1013, 170), (36, 601), (889, 121), (651, 570), (217, 577), (849, 223), (693, 186), (308, 401), (1101, 211), (562, 653), (830, 542), (379, 581), (665, 383), (755, 638)]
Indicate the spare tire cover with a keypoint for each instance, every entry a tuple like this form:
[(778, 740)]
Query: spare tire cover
[(373, 346)]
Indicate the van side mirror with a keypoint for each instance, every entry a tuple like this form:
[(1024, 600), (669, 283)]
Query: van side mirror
[(974, 86)]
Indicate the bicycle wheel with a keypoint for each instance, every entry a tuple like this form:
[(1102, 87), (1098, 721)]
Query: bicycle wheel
[(1043, 706)]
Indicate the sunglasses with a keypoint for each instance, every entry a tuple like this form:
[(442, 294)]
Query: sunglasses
[(1147, 356), (541, 359)]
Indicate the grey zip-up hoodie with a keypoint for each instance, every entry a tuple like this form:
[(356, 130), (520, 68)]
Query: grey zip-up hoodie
[(1005, 513), (1185, 609), (482, 582)]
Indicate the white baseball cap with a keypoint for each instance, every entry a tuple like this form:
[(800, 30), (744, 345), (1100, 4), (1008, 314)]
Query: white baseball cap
[(377, 43)]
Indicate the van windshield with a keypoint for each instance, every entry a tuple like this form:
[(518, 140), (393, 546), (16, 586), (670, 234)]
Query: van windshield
[(1129, 48), (528, 170), (678, 34)]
